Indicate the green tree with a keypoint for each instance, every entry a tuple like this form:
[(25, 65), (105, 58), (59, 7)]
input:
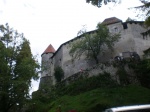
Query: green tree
[(17, 68), (58, 73), (94, 44)]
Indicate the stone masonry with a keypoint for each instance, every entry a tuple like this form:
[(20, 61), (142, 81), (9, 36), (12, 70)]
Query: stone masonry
[(134, 38)]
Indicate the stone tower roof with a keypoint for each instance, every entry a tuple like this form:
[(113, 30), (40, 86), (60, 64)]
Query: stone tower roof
[(49, 49), (111, 20)]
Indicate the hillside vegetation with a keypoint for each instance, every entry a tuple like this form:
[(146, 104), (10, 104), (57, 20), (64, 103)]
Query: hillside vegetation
[(96, 93), (93, 94), (99, 99)]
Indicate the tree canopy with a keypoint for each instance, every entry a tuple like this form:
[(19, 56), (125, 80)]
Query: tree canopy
[(17, 68), (94, 44)]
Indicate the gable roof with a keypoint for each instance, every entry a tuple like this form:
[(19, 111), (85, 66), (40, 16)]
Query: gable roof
[(111, 20), (49, 49)]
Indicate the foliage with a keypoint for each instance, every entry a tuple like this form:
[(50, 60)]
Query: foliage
[(75, 88), (94, 44), (147, 21), (123, 76), (140, 74), (58, 73), (101, 81), (41, 99), (146, 56), (99, 3), (99, 99), (45, 95), (145, 8), (17, 68), (36, 106), (143, 72), (90, 95)]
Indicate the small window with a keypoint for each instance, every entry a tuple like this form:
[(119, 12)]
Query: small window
[(116, 29)]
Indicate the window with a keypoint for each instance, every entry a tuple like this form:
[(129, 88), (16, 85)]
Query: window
[(116, 29)]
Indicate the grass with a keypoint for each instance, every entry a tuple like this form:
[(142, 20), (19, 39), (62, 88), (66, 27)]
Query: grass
[(99, 99)]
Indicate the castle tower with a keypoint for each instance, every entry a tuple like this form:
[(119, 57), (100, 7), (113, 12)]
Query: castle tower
[(46, 76)]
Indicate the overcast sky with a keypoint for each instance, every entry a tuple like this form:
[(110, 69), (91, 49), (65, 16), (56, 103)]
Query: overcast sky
[(45, 22)]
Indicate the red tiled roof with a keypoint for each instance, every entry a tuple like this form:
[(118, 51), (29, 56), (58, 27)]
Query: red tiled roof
[(111, 20), (49, 49)]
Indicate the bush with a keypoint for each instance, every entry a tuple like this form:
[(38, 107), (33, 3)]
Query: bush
[(83, 85), (58, 73), (123, 76), (143, 73)]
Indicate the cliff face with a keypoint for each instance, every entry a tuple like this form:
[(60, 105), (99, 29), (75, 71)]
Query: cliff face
[(132, 40)]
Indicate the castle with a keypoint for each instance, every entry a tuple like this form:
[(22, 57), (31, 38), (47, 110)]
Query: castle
[(134, 38)]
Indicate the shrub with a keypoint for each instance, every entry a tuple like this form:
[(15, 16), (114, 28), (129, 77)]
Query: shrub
[(123, 76), (101, 81), (58, 73), (143, 73)]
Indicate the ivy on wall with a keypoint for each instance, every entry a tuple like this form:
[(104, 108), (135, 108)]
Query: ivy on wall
[(58, 73)]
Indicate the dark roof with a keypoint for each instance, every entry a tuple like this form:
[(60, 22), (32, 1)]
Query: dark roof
[(140, 22), (49, 49), (111, 20)]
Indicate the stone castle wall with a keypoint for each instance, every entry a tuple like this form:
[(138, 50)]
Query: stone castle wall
[(131, 40), (46, 63)]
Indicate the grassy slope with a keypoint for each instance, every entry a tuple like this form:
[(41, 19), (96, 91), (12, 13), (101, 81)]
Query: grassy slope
[(100, 99)]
